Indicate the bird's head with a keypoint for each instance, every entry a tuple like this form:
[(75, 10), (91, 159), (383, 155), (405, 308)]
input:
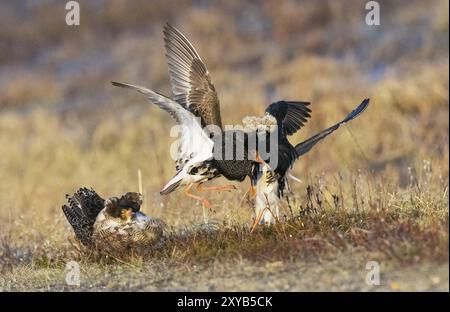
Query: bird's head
[(265, 170), (116, 209), (262, 171), (131, 200)]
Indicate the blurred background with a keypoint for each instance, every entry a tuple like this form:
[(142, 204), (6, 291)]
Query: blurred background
[(62, 124)]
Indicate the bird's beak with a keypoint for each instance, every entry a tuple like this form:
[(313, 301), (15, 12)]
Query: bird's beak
[(127, 213), (130, 213), (258, 159)]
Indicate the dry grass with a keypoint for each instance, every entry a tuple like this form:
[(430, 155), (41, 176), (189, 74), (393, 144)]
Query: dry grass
[(376, 189)]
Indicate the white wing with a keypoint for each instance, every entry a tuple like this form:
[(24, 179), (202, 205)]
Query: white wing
[(194, 142)]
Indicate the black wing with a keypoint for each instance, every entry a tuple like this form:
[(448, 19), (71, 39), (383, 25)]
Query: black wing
[(292, 115), (306, 146), (81, 211)]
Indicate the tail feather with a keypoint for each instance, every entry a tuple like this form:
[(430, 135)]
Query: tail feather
[(305, 146), (81, 212), (171, 185)]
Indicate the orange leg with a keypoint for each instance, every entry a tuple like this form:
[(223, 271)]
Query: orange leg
[(251, 191), (228, 187), (257, 219), (204, 201)]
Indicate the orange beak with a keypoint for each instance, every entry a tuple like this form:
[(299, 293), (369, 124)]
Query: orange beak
[(127, 214), (130, 213), (258, 159)]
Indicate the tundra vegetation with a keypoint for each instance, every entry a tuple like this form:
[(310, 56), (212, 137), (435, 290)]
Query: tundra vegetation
[(376, 190)]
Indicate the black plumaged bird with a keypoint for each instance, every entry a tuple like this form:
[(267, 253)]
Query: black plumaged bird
[(287, 117), (195, 104), (271, 182), (289, 120), (113, 224)]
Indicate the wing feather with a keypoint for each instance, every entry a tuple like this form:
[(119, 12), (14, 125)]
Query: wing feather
[(292, 115), (191, 83), (305, 146), (194, 142), (81, 212)]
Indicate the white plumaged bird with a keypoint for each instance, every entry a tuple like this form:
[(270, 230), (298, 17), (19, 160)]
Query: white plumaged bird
[(267, 196)]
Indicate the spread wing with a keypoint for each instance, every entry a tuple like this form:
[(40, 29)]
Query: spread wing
[(305, 146), (291, 115), (287, 117), (81, 211), (191, 82), (194, 142)]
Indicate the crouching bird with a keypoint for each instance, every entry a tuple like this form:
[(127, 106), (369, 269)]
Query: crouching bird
[(115, 224)]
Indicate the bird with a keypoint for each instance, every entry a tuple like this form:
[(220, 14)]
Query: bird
[(267, 197), (286, 117), (192, 87), (194, 106), (115, 224), (195, 151), (271, 182)]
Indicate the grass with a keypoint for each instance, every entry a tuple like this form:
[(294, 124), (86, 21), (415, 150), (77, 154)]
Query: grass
[(400, 230), (377, 189)]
